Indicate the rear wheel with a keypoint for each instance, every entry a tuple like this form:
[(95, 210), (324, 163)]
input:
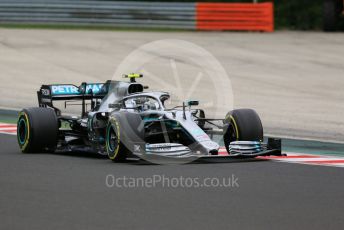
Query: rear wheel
[(242, 125), (37, 130)]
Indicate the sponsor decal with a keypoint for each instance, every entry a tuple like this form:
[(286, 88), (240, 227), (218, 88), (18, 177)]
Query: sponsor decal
[(45, 92), (211, 144), (200, 135), (162, 145), (162, 148), (137, 148), (46, 100), (64, 89), (73, 90)]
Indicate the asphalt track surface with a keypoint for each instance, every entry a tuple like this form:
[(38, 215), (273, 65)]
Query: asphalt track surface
[(68, 191)]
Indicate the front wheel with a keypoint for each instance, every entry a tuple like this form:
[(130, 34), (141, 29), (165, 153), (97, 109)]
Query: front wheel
[(242, 125), (114, 147)]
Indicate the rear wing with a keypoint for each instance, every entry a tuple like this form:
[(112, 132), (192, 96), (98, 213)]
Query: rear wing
[(49, 93)]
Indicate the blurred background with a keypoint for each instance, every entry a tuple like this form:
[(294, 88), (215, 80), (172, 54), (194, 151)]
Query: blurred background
[(284, 58), (288, 15)]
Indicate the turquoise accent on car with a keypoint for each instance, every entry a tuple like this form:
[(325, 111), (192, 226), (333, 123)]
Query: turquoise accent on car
[(22, 121), (57, 90)]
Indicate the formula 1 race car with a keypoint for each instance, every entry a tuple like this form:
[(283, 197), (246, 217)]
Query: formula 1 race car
[(125, 121)]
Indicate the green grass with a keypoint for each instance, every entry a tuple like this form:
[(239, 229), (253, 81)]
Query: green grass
[(10, 120), (8, 116), (13, 120), (313, 147)]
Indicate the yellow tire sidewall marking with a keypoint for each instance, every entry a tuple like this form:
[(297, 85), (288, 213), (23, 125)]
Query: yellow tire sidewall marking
[(235, 126), (114, 122), (23, 147)]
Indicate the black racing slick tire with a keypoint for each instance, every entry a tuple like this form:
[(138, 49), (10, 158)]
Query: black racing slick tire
[(242, 125), (115, 149), (37, 130)]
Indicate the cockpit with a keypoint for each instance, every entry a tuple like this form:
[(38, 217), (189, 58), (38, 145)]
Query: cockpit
[(142, 103)]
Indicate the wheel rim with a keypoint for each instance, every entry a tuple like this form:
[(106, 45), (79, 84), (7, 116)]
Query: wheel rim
[(112, 139), (22, 131), (232, 133)]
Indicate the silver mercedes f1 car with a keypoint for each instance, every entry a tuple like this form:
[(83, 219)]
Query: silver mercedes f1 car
[(123, 120)]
